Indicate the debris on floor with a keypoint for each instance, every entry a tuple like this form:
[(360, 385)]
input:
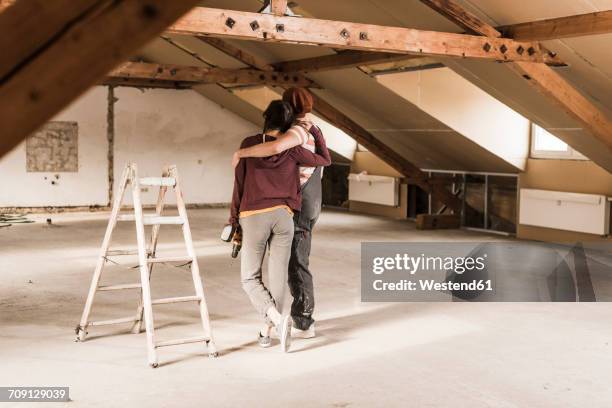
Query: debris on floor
[(6, 220)]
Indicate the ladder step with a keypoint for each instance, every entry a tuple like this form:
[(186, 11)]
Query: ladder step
[(171, 259), (179, 299), (152, 219), (120, 287), (118, 252), (114, 321), (181, 341), (121, 252), (158, 181), (132, 217), (157, 220)]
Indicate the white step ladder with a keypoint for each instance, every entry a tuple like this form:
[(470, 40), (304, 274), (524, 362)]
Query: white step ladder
[(146, 261)]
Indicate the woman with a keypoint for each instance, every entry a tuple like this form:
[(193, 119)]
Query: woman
[(266, 195), (302, 133)]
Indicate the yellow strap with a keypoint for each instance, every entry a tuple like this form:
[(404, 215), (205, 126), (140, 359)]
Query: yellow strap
[(244, 214)]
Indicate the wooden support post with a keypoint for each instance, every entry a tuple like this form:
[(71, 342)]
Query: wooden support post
[(346, 35), (66, 52)]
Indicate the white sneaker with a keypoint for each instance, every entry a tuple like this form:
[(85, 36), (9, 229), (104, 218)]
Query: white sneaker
[(303, 334)]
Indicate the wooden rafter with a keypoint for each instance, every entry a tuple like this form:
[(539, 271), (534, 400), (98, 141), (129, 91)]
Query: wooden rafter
[(146, 83), (562, 27), (345, 35), (26, 34), (347, 59), (60, 67), (567, 97), (549, 83), (6, 3), (351, 128), (237, 53), (203, 75), (461, 17)]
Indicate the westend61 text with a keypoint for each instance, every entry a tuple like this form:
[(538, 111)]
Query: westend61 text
[(432, 285)]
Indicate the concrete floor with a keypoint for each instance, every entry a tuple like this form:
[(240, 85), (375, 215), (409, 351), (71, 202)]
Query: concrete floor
[(409, 354)]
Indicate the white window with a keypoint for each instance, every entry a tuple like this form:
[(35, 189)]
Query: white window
[(545, 145)]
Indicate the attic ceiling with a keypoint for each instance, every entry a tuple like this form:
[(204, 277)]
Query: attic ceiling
[(418, 137)]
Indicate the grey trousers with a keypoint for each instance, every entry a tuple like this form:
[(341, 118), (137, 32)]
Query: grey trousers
[(274, 228)]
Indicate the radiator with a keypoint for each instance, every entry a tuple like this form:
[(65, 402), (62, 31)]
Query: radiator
[(589, 213), (374, 189)]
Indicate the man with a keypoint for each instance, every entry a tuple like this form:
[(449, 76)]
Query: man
[(302, 133)]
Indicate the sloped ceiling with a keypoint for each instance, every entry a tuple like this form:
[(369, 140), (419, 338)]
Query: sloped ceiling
[(420, 138)]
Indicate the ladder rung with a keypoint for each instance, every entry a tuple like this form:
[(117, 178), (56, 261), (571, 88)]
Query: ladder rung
[(179, 299), (152, 219), (118, 252), (120, 287), (157, 220), (181, 341), (171, 259), (132, 217), (114, 321), (158, 181)]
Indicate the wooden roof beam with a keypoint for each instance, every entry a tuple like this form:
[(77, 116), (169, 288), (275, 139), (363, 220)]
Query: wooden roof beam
[(562, 27), (203, 75), (346, 35)]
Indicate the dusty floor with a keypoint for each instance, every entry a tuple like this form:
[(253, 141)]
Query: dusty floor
[(366, 355)]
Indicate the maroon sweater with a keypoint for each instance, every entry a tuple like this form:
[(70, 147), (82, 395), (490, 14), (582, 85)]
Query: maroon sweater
[(270, 181)]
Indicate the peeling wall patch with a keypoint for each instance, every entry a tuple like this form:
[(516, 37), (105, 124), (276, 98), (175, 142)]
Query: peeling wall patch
[(53, 148)]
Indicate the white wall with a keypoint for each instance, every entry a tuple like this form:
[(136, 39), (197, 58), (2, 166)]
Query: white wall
[(467, 109), (88, 186), (153, 127)]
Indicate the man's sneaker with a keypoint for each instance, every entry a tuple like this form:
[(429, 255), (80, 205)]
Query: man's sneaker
[(303, 334), (284, 333), (264, 341)]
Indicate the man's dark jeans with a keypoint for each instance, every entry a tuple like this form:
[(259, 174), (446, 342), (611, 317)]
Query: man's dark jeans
[(300, 278)]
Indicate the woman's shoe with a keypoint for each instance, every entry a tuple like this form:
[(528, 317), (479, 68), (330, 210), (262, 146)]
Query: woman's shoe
[(264, 341), (284, 333)]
